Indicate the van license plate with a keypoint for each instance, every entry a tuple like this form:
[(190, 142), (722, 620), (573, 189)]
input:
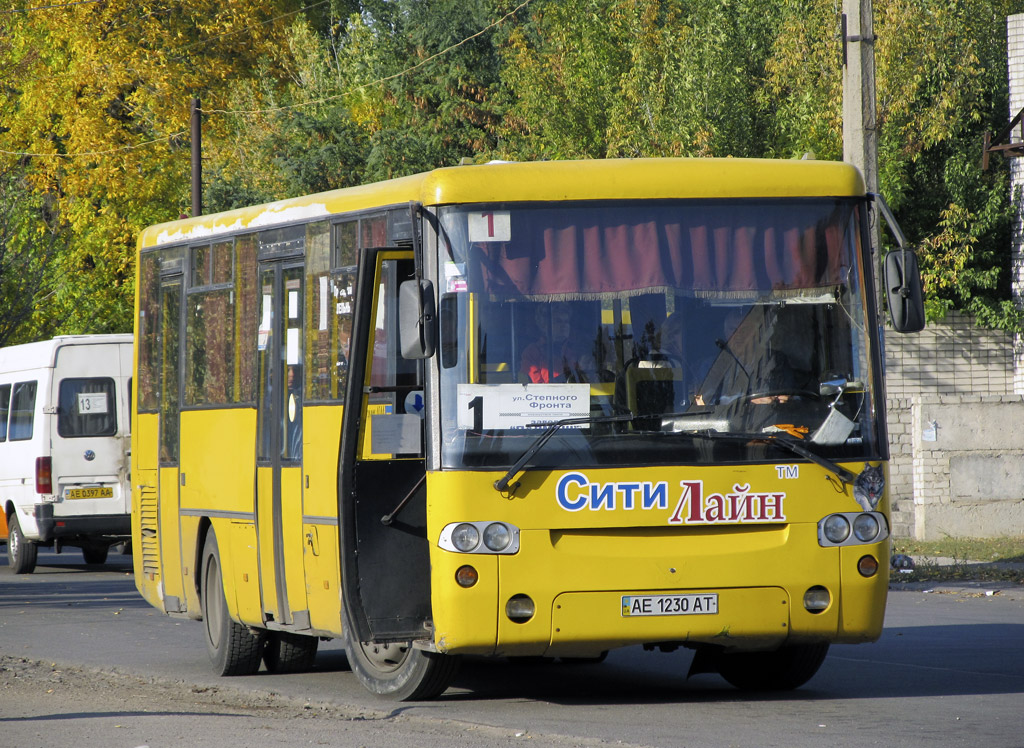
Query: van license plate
[(705, 603), (99, 492)]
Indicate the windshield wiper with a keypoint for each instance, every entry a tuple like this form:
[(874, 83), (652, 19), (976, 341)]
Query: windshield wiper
[(842, 473), (502, 484)]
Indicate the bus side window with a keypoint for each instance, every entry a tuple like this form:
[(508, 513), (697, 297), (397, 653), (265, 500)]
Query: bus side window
[(23, 406)]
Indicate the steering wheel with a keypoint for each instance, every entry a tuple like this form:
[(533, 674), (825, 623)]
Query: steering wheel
[(789, 392)]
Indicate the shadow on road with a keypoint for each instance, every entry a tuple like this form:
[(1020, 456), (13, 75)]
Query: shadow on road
[(930, 661)]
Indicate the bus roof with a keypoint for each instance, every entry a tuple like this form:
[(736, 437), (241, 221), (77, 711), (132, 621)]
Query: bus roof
[(598, 179)]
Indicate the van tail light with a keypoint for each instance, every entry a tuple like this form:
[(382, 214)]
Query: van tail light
[(44, 475)]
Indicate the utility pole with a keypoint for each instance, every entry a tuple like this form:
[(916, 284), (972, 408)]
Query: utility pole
[(860, 137), (197, 159), (860, 130)]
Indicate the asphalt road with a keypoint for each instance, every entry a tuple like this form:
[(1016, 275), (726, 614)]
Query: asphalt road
[(78, 645)]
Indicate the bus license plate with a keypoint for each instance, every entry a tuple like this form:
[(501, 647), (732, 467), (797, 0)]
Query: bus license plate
[(99, 492), (705, 603)]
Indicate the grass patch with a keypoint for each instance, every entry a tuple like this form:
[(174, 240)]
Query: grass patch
[(973, 559)]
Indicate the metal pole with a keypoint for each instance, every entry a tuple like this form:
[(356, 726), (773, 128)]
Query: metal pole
[(197, 159), (860, 132)]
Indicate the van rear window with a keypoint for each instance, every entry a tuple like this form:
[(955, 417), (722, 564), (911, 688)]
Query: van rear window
[(86, 407)]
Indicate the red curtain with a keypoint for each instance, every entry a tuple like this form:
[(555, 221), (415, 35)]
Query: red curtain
[(736, 248)]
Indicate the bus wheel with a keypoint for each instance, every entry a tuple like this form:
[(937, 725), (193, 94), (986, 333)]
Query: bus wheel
[(95, 554), (398, 671), (233, 648), (289, 653), (21, 553), (782, 670)]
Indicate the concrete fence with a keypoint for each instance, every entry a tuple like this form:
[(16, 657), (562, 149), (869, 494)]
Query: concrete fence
[(956, 432)]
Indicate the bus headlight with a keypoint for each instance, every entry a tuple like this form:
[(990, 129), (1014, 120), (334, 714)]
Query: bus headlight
[(497, 537), (852, 528), (836, 528), (865, 527), (465, 537), (480, 537)]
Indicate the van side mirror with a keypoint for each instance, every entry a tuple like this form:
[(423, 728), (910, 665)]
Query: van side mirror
[(417, 319), (903, 291)]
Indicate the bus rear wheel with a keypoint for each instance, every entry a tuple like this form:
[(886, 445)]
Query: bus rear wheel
[(784, 669), (399, 671), (21, 553), (289, 653), (233, 648)]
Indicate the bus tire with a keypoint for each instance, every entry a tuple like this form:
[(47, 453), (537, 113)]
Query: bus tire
[(289, 653), (398, 671), (21, 553), (784, 669), (95, 554), (234, 649)]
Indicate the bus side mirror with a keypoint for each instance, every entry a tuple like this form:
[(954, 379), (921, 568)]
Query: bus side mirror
[(903, 291), (417, 319), (902, 277)]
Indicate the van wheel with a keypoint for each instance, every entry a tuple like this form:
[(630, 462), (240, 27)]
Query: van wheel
[(398, 671), (234, 649), (95, 554), (21, 553), (289, 653), (782, 670)]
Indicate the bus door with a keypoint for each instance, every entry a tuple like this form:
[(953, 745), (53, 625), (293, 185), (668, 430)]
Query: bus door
[(382, 499), (279, 445), (169, 487)]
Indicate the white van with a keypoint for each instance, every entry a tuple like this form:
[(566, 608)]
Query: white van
[(65, 414)]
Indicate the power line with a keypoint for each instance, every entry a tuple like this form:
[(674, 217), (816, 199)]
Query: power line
[(378, 81), (84, 154)]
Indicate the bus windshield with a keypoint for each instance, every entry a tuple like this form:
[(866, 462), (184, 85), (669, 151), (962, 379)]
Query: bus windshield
[(704, 324)]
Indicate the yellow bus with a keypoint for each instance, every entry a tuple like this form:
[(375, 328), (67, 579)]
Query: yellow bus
[(521, 409)]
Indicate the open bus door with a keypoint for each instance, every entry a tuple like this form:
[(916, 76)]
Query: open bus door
[(382, 496)]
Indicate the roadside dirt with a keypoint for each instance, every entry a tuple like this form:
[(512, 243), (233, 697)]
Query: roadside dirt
[(48, 704)]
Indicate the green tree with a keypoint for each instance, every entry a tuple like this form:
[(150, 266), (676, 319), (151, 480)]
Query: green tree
[(102, 103), (29, 240), (606, 78), (941, 82)]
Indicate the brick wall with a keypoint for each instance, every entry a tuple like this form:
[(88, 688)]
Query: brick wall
[(952, 362)]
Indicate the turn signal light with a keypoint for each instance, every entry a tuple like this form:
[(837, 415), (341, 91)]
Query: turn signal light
[(466, 576), (867, 566)]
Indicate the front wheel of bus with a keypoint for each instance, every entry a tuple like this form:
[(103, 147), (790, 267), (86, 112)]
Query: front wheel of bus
[(21, 553), (782, 670), (398, 671), (233, 648)]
